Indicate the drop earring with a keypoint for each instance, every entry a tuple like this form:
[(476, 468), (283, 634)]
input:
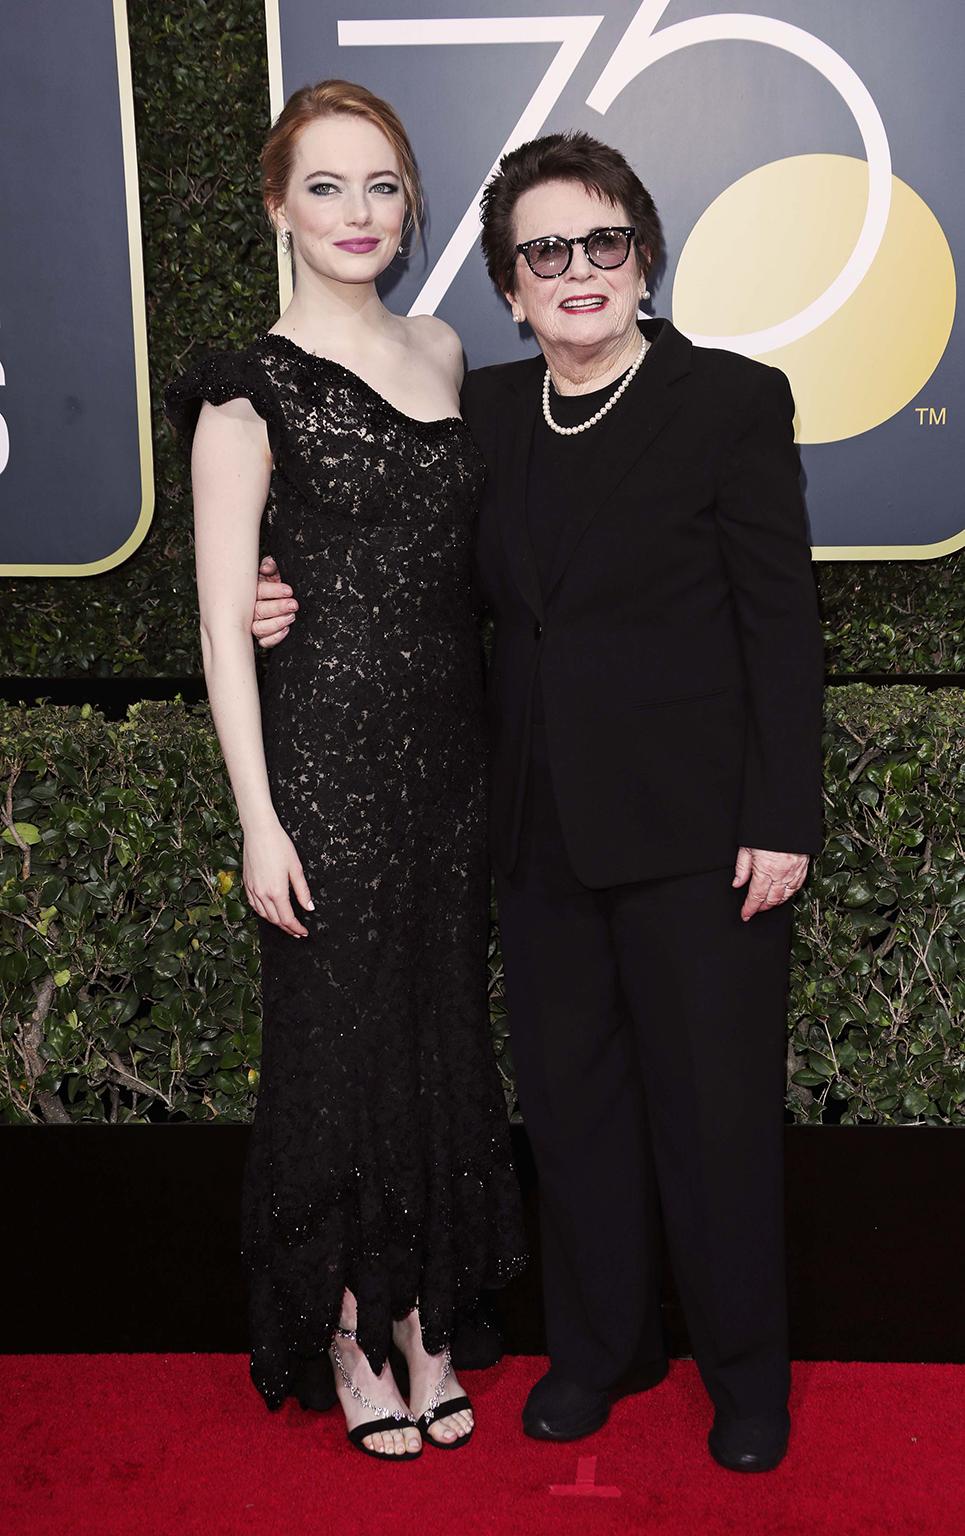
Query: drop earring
[(285, 240), (407, 226)]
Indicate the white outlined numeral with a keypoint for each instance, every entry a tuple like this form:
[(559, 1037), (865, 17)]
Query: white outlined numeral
[(642, 45), (573, 33)]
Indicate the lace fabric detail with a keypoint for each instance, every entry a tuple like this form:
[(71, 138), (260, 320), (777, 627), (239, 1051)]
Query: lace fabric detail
[(217, 376), (379, 1155)]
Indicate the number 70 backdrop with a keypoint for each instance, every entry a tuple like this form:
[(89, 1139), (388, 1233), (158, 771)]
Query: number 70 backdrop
[(805, 159)]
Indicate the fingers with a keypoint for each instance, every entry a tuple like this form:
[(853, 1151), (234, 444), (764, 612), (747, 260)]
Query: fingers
[(757, 896), (277, 909), (275, 605), (743, 867), (300, 887), (270, 583), (257, 903), (265, 642), (269, 631), (274, 601), (287, 918), (274, 612), (273, 618), (775, 878)]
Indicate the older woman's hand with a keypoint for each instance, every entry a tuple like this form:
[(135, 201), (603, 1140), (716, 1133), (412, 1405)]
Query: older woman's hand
[(774, 877), (275, 607)]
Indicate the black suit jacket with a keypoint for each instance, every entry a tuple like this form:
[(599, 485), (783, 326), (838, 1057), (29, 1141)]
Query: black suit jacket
[(678, 641)]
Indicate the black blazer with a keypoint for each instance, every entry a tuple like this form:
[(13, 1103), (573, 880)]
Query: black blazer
[(678, 643)]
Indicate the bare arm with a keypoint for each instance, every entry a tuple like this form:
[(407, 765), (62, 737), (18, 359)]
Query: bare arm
[(230, 471)]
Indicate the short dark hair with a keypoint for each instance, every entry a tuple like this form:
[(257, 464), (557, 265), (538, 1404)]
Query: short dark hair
[(572, 156)]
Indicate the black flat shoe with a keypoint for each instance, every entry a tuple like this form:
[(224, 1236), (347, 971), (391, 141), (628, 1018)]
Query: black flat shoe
[(558, 1409), (388, 1418), (754, 1444)]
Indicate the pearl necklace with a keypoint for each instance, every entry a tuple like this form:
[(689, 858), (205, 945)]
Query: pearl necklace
[(608, 405)]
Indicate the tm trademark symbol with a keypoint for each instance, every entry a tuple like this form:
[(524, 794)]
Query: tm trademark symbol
[(929, 417)]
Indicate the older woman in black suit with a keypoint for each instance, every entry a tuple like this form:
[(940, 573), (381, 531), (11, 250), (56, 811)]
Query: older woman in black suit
[(655, 712)]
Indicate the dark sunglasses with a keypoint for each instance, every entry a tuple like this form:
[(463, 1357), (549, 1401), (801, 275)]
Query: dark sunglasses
[(550, 255)]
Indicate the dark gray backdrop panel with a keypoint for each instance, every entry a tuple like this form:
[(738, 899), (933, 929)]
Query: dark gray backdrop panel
[(71, 492)]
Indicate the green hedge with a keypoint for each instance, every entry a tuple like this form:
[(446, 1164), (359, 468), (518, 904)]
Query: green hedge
[(129, 970), (201, 103)]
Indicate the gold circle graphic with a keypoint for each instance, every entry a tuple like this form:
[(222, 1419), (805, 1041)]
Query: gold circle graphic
[(774, 240)]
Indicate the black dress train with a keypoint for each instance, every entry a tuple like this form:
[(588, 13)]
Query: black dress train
[(379, 1154)]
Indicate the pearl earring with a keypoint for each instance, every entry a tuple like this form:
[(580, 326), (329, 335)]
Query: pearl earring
[(645, 294)]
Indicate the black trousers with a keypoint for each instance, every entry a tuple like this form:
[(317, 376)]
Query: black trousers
[(647, 1025)]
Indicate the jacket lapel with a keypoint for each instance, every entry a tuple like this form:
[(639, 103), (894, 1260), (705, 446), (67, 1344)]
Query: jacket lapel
[(511, 492), (655, 401)]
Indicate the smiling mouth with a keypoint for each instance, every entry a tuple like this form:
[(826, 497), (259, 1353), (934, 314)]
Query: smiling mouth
[(588, 301)]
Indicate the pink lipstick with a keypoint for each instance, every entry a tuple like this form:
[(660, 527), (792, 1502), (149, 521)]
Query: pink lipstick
[(360, 246)]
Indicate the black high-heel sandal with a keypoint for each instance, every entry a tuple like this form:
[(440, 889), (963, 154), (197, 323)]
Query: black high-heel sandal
[(437, 1409), (373, 1426)]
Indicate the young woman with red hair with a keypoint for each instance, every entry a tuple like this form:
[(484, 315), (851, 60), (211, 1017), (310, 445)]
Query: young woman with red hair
[(379, 1192)]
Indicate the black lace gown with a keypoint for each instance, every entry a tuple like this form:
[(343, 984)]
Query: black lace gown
[(379, 1156)]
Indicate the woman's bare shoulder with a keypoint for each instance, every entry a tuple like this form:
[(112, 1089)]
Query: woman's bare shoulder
[(435, 338)]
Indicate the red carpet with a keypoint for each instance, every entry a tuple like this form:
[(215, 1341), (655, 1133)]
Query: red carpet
[(181, 1445)]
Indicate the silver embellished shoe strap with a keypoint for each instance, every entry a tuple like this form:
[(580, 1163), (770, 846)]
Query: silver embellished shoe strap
[(379, 1409), (437, 1391)]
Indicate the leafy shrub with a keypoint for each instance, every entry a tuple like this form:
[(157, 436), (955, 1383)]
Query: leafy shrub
[(129, 966), (878, 979)]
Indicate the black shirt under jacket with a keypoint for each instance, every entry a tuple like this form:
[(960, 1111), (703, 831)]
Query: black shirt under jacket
[(562, 469), (561, 474)]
